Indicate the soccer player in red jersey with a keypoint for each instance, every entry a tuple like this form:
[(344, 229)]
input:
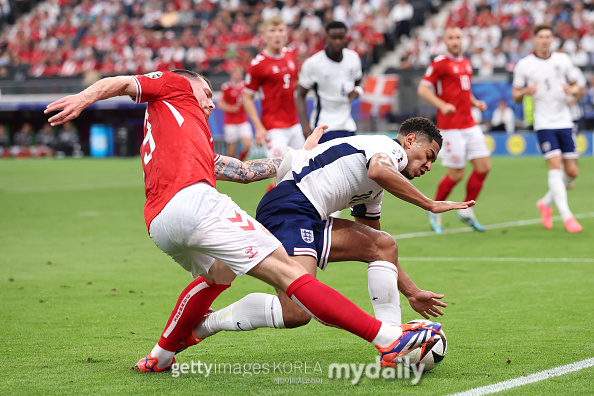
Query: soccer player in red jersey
[(447, 85), (273, 74), (196, 225), (236, 126)]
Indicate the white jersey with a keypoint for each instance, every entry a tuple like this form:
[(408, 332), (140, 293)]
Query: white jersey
[(551, 110), (332, 82), (333, 176), (577, 110)]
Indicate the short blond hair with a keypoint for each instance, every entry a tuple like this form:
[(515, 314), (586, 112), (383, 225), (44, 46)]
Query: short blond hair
[(274, 21)]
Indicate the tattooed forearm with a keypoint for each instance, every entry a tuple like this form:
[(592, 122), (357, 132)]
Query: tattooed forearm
[(245, 172)]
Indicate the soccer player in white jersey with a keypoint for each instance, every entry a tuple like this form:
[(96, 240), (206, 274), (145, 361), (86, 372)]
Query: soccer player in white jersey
[(549, 77), (334, 74), (352, 171)]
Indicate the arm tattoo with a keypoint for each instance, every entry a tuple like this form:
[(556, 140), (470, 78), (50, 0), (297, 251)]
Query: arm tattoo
[(246, 172)]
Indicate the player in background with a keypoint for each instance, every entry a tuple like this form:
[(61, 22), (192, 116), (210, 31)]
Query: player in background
[(194, 224), (351, 171), (447, 85), (335, 75), (235, 125), (273, 75), (549, 77)]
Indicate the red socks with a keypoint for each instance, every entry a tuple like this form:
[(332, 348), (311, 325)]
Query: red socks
[(191, 306), (474, 185), (270, 187), (444, 188), (242, 155), (332, 308)]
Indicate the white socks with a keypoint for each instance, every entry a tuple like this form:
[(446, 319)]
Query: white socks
[(251, 312), (548, 198), (387, 335), (558, 193), (382, 281), (163, 356)]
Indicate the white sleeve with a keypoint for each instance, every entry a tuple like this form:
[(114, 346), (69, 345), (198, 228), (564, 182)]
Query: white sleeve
[(306, 76), (519, 78)]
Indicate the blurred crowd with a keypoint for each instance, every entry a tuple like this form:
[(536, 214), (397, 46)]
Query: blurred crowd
[(110, 37), (497, 33), (47, 141)]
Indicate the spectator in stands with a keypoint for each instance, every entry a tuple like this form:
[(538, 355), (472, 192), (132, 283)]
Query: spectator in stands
[(23, 141), (503, 118), (311, 22), (291, 13), (46, 141), (401, 16), (4, 142), (68, 141)]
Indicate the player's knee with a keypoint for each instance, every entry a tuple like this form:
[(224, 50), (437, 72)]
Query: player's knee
[(386, 247), (295, 318), (456, 175)]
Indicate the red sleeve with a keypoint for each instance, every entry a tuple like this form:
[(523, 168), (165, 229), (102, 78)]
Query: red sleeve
[(432, 73), (161, 85), (252, 77)]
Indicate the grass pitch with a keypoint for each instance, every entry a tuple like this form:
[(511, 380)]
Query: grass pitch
[(85, 293)]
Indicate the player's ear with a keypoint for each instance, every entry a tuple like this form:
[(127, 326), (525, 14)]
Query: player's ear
[(411, 138)]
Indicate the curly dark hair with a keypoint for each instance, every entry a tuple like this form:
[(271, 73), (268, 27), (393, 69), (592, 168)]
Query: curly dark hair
[(336, 25), (423, 127)]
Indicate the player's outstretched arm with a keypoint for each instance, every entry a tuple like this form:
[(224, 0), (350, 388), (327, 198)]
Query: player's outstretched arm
[(302, 110), (384, 173), (423, 301), (72, 105), (233, 169)]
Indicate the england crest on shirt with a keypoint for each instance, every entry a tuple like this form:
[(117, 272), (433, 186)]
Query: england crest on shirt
[(307, 235)]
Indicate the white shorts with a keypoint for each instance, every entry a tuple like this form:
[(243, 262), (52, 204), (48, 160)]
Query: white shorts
[(277, 140), (461, 145), (199, 225), (233, 132)]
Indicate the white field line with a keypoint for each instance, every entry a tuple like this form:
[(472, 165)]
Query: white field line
[(520, 381), (509, 224), (502, 259), (73, 187)]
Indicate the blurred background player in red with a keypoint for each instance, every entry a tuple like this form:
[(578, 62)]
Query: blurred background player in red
[(447, 86), (235, 126), (273, 74)]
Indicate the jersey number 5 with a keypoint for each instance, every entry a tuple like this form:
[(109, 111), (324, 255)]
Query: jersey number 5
[(151, 142)]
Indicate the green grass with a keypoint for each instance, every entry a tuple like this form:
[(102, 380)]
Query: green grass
[(85, 293)]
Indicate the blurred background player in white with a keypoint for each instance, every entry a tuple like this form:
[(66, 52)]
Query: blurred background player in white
[(334, 74), (236, 127), (549, 77), (23, 141), (503, 118), (273, 74), (351, 171), (447, 85)]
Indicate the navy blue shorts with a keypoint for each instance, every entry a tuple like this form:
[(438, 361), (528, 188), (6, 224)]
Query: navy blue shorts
[(334, 135), (294, 221), (553, 142)]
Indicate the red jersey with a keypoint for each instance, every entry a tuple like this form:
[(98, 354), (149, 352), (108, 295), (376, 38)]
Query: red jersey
[(177, 150), (233, 95), (276, 78), (451, 78)]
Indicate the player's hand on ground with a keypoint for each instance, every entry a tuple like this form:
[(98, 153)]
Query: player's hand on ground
[(261, 135), (427, 303), (71, 107), (447, 108), (444, 206), (314, 138)]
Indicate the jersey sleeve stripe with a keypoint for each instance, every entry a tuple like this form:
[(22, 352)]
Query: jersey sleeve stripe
[(138, 89), (332, 154), (217, 158)]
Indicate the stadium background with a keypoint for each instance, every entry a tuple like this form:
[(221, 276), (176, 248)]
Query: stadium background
[(56, 47)]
